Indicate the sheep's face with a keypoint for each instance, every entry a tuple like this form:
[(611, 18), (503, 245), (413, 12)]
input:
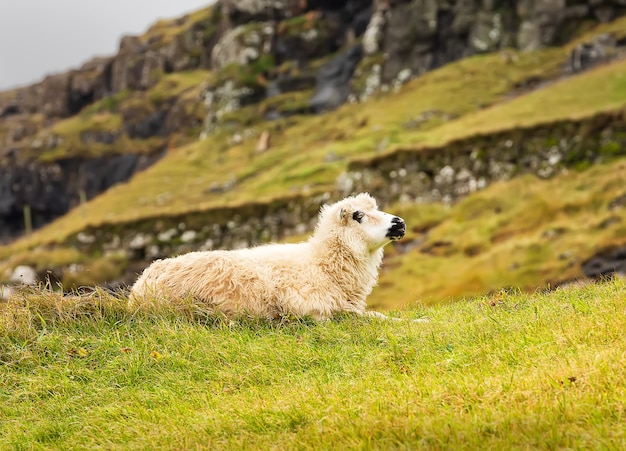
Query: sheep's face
[(361, 224), (374, 227)]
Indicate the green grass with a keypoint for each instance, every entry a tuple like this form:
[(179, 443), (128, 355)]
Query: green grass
[(506, 371), (603, 89), (78, 124), (109, 104), (301, 146), (523, 233)]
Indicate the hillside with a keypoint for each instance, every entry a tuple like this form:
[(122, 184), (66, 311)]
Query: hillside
[(506, 371), (198, 151)]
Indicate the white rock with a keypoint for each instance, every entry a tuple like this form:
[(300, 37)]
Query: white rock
[(139, 241), (24, 274), (84, 238), (188, 236), (167, 235)]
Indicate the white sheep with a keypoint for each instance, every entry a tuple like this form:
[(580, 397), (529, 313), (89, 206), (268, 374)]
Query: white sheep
[(333, 271)]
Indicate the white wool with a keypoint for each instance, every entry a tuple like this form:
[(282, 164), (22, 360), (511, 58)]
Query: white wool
[(333, 271)]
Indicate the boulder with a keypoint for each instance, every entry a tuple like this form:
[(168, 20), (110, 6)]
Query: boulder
[(374, 33), (409, 41), (89, 83), (50, 97), (5, 292), (333, 80), (244, 11), (588, 54), (143, 126), (242, 45), (540, 21), (223, 99), (136, 71), (606, 263)]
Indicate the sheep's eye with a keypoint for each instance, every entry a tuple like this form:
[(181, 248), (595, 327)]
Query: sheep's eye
[(358, 216)]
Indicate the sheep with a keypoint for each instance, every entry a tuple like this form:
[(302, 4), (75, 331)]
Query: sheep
[(333, 271)]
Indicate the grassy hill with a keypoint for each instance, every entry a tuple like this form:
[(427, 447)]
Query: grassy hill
[(523, 233), (511, 370), (513, 362), (516, 233)]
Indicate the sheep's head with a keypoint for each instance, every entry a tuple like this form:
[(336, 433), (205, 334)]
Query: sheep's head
[(359, 224)]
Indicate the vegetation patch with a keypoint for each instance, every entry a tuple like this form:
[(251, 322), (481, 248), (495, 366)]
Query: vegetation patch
[(525, 233), (177, 84), (166, 30), (102, 128), (43, 258), (476, 96), (508, 370), (109, 104), (599, 90), (101, 270)]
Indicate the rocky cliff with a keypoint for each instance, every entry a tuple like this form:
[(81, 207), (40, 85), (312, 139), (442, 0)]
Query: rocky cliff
[(77, 133)]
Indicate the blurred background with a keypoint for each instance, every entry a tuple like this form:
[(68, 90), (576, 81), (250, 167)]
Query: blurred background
[(39, 38), (130, 132)]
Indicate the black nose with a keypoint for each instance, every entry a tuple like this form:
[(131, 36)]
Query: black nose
[(397, 229)]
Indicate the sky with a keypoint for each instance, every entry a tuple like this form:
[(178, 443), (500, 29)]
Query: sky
[(39, 37)]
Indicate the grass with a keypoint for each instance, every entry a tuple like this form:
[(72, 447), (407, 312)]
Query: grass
[(189, 83), (615, 28), (524, 233), (43, 258), (511, 370), (603, 89), (514, 369), (78, 124), (109, 104), (165, 31), (301, 146)]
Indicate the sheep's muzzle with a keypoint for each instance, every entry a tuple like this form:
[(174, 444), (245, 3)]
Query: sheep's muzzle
[(397, 229)]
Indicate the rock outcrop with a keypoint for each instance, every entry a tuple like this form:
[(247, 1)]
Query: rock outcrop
[(333, 80), (607, 263), (450, 172), (50, 190)]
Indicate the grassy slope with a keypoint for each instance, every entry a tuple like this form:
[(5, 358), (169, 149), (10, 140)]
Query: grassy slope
[(478, 252), (300, 147), (515, 234), (604, 89), (523, 233), (511, 370)]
